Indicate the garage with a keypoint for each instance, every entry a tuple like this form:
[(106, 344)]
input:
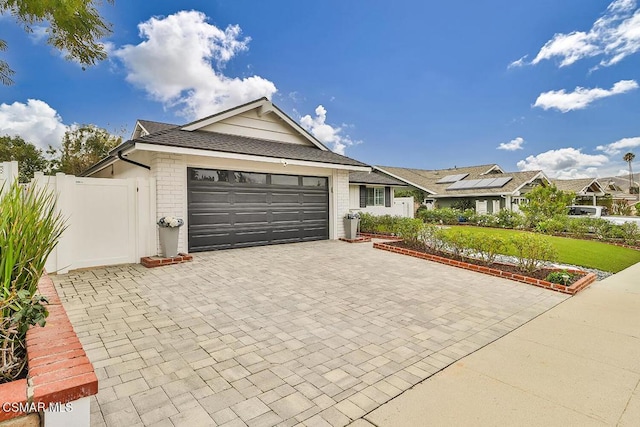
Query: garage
[(232, 209)]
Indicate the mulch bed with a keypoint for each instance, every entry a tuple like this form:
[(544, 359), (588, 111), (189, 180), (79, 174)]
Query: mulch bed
[(540, 274)]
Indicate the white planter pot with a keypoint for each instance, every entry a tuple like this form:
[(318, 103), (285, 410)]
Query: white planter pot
[(351, 228), (169, 241)]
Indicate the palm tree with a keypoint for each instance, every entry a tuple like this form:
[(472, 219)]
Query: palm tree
[(629, 158)]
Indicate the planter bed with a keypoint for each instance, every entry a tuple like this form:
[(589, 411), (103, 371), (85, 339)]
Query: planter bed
[(507, 271), (59, 371)]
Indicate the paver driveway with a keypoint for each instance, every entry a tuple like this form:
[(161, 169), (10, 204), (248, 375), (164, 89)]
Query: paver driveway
[(319, 333)]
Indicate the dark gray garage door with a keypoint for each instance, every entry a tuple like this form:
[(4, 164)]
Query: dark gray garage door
[(230, 209)]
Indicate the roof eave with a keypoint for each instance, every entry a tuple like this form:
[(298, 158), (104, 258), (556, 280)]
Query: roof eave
[(412, 184), (144, 146)]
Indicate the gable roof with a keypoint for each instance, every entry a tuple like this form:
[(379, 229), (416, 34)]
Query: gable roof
[(580, 186), (428, 180), (264, 106), (153, 127), (149, 133), (621, 184), (374, 178)]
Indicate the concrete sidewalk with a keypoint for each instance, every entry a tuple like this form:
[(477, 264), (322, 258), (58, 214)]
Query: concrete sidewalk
[(577, 364)]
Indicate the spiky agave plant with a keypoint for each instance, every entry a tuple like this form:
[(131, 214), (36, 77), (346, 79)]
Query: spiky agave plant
[(30, 227)]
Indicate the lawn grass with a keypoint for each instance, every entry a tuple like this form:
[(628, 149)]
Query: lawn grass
[(586, 253)]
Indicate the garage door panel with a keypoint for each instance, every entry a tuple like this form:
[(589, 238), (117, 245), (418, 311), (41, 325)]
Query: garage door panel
[(251, 218), (310, 198), (287, 216), (285, 198), (206, 197), (246, 197), (225, 215), (218, 218)]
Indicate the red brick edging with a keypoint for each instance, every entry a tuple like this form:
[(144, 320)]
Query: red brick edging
[(59, 369), (582, 283), (150, 261)]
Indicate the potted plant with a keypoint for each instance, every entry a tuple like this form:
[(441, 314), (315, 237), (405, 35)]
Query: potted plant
[(351, 221), (169, 232)]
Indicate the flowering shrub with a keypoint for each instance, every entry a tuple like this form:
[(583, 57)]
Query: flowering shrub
[(170, 222)]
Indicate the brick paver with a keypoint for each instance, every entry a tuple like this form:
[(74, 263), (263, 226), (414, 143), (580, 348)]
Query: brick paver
[(316, 333)]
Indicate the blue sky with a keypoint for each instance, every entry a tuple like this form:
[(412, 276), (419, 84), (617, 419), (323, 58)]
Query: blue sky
[(528, 85)]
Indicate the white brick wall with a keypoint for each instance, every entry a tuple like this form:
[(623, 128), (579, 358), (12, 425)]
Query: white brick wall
[(341, 187), (170, 171)]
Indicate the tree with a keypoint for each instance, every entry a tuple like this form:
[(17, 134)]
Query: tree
[(30, 158), (629, 157), (82, 147), (545, 203), (74, 27)]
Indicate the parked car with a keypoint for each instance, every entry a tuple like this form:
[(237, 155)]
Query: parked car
[(600, 212)]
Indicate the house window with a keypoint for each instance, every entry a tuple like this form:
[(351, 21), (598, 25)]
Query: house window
[(375, 196), (250, 177)]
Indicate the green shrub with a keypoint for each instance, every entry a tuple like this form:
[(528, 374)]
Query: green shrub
[(486, 220), (630, 233), (456, 242), (432, 237), (486, 247), (440, 216), (601, 228), (637, 206), (367, 222), (531, 251), (579, 226), (29, 230), (544, 203), (409, 229), (509, 219), (557, 224), (470, 216), (562, 277)]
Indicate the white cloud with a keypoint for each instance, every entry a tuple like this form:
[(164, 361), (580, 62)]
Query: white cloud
[(624, 144), (326, 133), (519, 62), (614, 36), (565, 163), (181, 61), (35, 122), (581, 97), (38, 34), (513, 145)]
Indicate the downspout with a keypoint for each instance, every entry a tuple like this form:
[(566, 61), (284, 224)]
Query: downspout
[(133, 162)]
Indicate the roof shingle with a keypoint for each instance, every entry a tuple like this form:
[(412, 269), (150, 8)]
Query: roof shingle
[(215, 141)]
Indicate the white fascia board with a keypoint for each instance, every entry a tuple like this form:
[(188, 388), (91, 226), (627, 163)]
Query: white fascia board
[(405, 180), (448, 196), (494, 167), (248, 157)]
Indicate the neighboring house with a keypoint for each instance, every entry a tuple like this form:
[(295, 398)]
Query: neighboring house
[(246, 176), (487, 188), (587, 190), (618, 187), (374, 193)]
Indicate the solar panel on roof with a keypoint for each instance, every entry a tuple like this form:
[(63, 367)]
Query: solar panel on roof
[(451, 178), (480, 183), (500, 182)]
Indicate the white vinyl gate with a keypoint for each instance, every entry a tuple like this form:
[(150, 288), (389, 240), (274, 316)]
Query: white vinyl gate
[(109, 221)]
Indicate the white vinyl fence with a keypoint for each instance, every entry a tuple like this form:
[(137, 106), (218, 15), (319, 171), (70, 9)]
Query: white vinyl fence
[(8, 172), (109, 221)]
